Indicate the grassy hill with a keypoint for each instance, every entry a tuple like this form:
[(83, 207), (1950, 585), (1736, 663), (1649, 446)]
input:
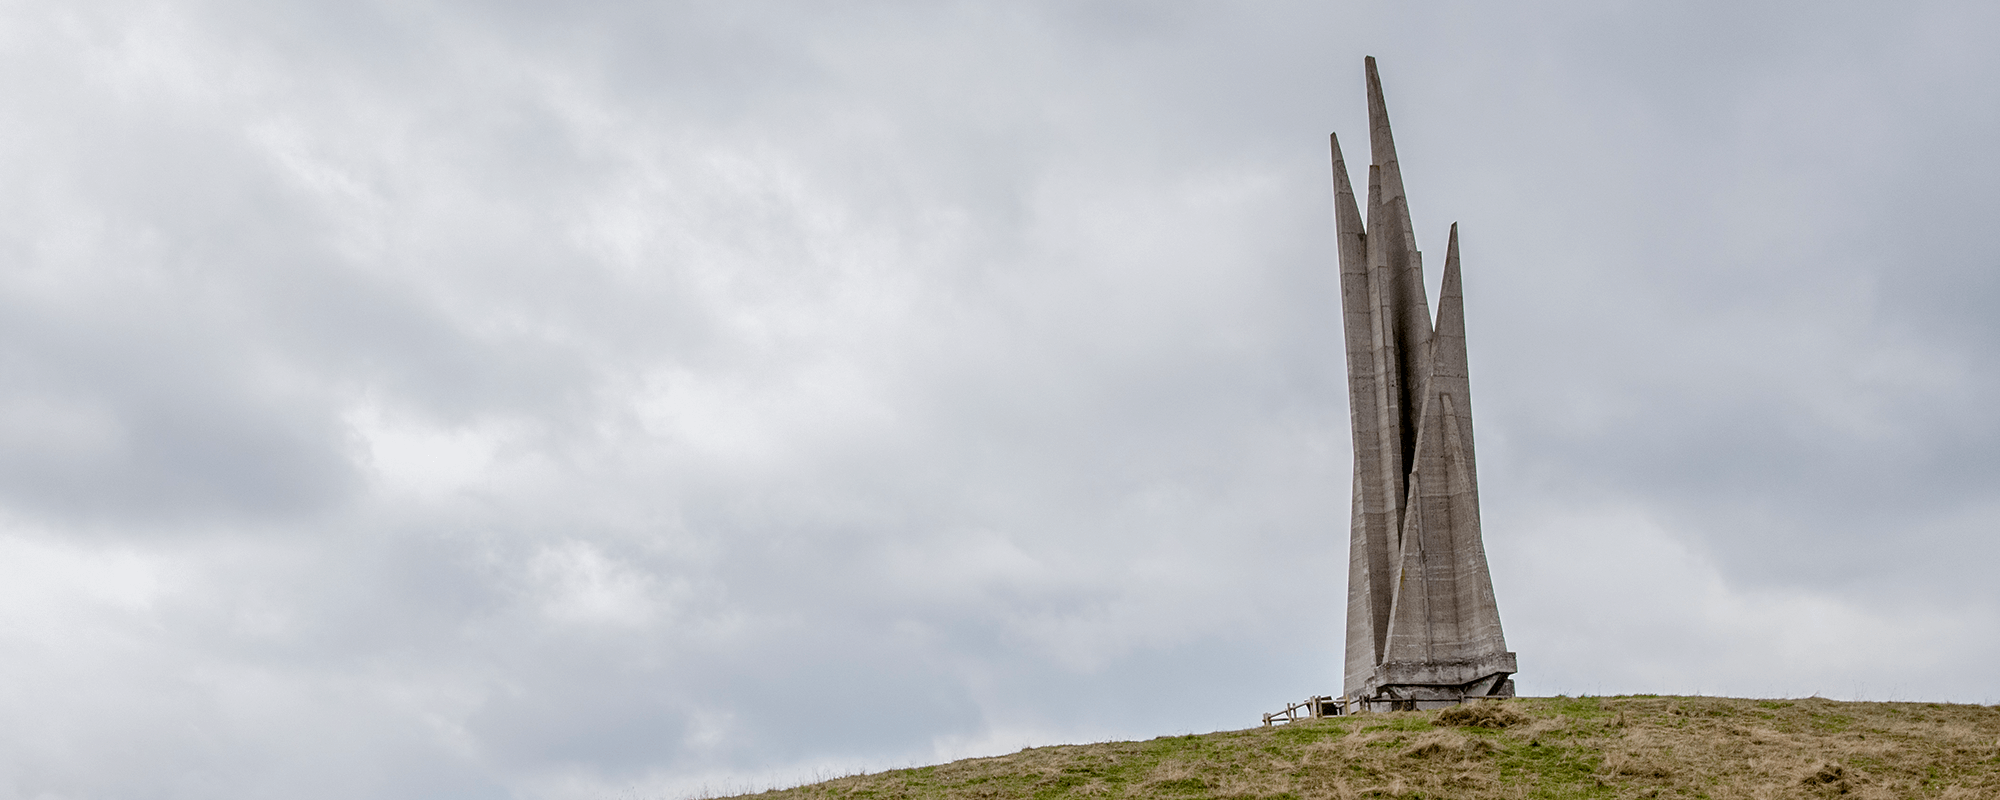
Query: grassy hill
[(1610, 747)]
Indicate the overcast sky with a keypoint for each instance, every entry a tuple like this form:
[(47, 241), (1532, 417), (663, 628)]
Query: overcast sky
[(613, 400)]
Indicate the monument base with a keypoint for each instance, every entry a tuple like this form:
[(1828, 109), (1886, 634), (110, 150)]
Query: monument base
[(1433, 685)]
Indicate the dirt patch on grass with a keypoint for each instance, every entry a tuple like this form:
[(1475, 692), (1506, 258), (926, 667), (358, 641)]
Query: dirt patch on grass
[(1828, 779), (1485, 714)]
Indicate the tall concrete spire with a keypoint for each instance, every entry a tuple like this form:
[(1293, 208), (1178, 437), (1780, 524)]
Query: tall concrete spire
[(1423, 629)]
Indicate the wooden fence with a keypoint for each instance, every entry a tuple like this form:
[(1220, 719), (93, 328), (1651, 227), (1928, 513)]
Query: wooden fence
[(1314, 707)]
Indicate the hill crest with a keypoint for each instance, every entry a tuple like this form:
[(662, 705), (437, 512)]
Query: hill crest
[(1589, 747)]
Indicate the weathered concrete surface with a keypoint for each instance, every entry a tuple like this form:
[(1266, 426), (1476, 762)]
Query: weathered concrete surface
[(1422, 625)]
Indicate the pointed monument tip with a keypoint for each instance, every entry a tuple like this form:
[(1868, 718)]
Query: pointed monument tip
[(1451, 290), (1381, 144), (1340, 180)]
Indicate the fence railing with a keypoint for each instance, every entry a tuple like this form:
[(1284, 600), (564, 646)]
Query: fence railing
[(1314, 707)]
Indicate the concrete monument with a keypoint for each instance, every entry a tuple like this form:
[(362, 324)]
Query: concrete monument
[(1423, 630)]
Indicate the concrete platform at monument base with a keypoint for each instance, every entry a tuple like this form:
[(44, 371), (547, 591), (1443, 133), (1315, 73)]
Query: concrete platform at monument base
[(1433, 684), (1406, 694)]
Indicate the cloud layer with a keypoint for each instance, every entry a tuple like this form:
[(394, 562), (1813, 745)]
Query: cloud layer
[(486, 400)]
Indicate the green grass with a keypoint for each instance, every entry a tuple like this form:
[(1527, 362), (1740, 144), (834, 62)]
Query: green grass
[(1641, 746)]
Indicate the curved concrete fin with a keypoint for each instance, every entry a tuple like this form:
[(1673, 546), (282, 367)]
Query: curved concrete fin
[(1369, 565), (1392, 397), (1393, 246), (1448, 338), (1448, 373), (1381, 142), (1478, 621), (1347, 216), (1382, 152), (1463, 624)]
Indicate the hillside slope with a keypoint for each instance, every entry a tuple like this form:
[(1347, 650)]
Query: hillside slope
[(1612, 747)]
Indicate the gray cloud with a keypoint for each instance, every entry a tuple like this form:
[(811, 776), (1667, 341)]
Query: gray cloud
[(498, 400)]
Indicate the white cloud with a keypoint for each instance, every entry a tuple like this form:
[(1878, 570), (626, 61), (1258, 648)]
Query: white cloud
[(577, 584), (409, 456)]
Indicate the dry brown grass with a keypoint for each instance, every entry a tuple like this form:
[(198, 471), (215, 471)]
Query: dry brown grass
[(1612, 747), (1490, 714)]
